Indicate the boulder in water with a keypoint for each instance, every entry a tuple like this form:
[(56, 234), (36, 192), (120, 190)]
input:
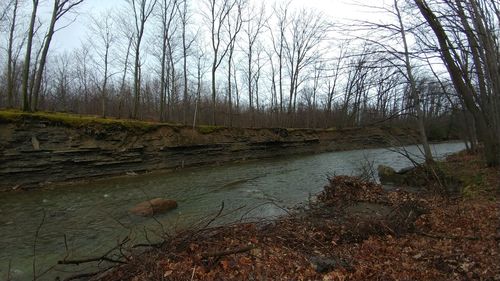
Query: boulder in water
[(388, 175), (153, 207)]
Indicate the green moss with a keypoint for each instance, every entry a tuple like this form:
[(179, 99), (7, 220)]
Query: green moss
[(471, 191), (205, 129), (74, 120)]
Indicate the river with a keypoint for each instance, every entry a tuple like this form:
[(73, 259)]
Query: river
[(85, 220)]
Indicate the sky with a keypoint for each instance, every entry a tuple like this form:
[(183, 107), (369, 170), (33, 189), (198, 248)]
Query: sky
[(71, 36)]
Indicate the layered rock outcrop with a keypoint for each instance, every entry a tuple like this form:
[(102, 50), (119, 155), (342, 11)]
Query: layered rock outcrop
[(36, 152)]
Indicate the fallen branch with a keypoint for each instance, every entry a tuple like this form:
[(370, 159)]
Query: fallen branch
[(86, 275), (447, 237), (149, 245), (78, 262), (227, 252)]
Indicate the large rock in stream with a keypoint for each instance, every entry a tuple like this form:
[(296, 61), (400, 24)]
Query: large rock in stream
[(153, 207)]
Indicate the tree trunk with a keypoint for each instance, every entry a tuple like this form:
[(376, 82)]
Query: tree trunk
[(27, 59), (413, 91), (10, 62)]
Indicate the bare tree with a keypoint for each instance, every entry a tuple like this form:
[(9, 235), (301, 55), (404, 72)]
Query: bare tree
[(253, 28), (62, 81), (182, 8), (479, 89), (303, 47), (392, 44), (167, 15), (413, 87), (334, 78), (104, 36), (11, 60), (142, 10), (278, 40), (60, 8), (200, 72), (27, 57), (5, 8), (82, 59), (218, 14), (125, 46), (234, 25)]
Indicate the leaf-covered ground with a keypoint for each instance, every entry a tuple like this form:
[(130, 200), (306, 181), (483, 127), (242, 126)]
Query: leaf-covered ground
[(354, 231)]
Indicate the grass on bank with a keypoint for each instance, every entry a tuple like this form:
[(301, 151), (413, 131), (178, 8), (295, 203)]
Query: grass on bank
[(79, 120), (75, 120)]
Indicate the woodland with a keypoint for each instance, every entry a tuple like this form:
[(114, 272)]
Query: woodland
[(432, 64)]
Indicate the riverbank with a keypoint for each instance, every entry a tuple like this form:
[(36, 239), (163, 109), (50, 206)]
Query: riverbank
[(356, 230), (39, 149)]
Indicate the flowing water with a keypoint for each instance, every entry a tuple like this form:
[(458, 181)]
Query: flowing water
[(86, 220)]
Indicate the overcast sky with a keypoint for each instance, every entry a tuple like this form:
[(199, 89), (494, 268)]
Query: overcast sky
[(71, 36)]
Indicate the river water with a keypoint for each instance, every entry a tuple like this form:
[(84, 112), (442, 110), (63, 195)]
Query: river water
[(85, 220)]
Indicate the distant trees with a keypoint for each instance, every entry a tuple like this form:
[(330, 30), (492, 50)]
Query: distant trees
[(236, 63), (253, 28), (389, 42), (103, 29), (217, 17), (303, 48), (168, 13)]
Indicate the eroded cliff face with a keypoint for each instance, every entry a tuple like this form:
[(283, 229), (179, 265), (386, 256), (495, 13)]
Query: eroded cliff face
[(36, 152)]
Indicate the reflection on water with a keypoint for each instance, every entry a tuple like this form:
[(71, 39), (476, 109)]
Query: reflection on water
[(85, 220)]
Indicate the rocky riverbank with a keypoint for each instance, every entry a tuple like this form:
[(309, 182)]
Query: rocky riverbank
[(44, 148)]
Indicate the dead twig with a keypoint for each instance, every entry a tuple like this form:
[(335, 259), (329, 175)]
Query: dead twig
[(37, 233), (194, 270), (215, 217), (78, 262), (103, 257), (447, 237)]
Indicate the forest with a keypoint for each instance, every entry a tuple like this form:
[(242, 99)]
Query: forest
[(249, 140), (432, 64)]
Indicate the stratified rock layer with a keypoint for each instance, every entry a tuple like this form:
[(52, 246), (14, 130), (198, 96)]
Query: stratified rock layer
[(35, 152)]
